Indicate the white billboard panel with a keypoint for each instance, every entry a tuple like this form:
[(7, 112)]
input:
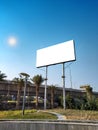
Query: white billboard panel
[(56, 54)]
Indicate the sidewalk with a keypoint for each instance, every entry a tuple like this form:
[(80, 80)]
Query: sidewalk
[(60, 117)]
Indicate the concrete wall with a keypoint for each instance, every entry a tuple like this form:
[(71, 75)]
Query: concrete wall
[(46, 125)]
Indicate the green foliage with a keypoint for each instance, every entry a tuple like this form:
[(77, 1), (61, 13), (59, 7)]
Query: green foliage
[(91, 104), (29, 114), (60, 101), (80, 103), (88, 89), (37, 79), (20, 83), (52, 92), (2, 76), (69, 102)]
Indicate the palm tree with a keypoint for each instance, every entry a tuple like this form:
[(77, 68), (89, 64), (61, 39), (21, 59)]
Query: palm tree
[(52, 91), (2, 76), (20, 83), (37, 79)]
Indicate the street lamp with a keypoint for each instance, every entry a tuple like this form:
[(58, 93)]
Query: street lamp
[(26, 77)]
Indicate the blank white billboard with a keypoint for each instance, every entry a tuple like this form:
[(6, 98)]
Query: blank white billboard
[(56, 54)]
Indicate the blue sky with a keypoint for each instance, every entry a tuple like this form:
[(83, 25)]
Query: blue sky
[(41, 23)]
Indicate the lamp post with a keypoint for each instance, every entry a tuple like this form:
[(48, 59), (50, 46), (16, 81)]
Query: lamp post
[(70, 76), (26, 77)]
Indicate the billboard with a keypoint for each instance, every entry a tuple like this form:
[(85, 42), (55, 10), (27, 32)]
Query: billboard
[(59, 53)]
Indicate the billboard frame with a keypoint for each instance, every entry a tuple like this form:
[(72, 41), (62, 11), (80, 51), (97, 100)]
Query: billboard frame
[(63, 77), (61, 61)]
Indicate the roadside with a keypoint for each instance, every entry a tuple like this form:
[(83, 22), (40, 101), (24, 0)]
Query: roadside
[(59, 116)]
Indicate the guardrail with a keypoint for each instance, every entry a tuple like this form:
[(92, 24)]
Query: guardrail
[(47, 125)]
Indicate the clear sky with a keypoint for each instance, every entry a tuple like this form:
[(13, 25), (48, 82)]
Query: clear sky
[(41, 23)]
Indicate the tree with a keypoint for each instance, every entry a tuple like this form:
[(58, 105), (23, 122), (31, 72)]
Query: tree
[(70, 104), (37, 79), (90, 101), (52, 90), (88, 90), (20, 84), (2, 76)]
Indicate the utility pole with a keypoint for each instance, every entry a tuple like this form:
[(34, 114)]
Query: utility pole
[(63, 77), (45, 92)]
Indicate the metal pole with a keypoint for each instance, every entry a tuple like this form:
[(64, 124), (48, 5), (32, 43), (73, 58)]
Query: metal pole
[(70, 76), (45, 92), (23, 107), (63, 77)]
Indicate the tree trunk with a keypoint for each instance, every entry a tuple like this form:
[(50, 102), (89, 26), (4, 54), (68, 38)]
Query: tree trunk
[(52, 98), (18, 98), (37, 91)]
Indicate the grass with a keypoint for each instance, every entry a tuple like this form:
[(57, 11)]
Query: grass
[(29, 114), (34, 114), (78, 114)]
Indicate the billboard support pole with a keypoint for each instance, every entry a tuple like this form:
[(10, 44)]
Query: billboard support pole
[(63, 77), (45, 92)]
